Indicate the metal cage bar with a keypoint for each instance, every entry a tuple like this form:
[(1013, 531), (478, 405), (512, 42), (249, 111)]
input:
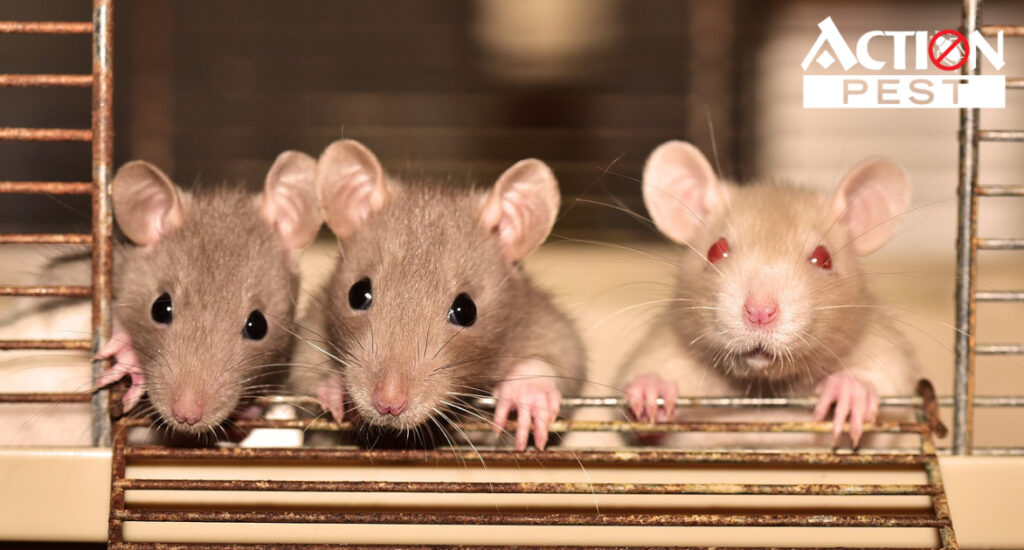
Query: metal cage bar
[(921, 459), (100, 134), (966, 258), (102, 211), (969, 243)]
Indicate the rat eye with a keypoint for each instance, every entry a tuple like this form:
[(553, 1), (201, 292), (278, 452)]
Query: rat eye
[(718, 251), (255, 327), (463, 311), (162, 310), (821, 258), (361, 294)]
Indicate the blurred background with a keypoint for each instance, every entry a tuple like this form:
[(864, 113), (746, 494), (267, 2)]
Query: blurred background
[(459, 90)]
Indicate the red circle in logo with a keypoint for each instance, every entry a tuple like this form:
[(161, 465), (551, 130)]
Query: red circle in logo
[(938, 57)]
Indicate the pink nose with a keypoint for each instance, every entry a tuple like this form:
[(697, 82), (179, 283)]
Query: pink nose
[(187, 408), (760, 311), (393, 406), (390, 399)]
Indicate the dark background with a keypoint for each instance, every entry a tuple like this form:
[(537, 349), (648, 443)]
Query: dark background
[(214, 90)]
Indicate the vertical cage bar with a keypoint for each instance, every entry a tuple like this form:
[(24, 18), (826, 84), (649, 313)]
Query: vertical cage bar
[(966, 258), (102, 219)]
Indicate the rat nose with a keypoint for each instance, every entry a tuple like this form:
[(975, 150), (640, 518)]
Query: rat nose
[(187, 408), (390, 399), (760, 311)]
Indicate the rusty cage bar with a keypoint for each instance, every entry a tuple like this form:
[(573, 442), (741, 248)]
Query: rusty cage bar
[(967, 347), (101, 136), (925, 458), (926, 404)]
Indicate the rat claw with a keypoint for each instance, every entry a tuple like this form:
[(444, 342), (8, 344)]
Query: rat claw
[(330, 394), (523, 422), (643, 394), (501, 411), (540, 425), (855, 401), (536, 402)]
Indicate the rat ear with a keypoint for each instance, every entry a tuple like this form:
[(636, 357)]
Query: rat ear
[(869, 201), (680, 190), (147, 204), (350, 184), (521, 208), (289, 200)]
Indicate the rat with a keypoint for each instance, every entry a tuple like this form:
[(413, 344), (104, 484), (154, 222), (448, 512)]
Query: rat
[(428, 306), (769, 298), (205, 291)]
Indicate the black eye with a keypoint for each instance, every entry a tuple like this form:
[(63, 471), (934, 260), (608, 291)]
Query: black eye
[(463, 311), (361, 294), (255, 326), (162, 310)]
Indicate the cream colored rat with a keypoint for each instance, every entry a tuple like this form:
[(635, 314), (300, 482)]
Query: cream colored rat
[(769, 298), (205, 292), (428, 306)]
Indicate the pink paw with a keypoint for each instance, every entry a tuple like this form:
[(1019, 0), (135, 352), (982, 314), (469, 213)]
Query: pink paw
[(643, 393), (125, 362), (536, 402), (331, 395), (855, 401)]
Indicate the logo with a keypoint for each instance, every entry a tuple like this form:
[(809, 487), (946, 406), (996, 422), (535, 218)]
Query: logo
[(947, 50)]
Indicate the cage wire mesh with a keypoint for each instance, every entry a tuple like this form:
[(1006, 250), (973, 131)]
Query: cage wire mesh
[(125, 511)]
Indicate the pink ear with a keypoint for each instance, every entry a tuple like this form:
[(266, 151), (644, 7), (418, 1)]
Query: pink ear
[(869, 201), (147, 205), (521, 208), (680, 190), (351, 185), (289, 199)]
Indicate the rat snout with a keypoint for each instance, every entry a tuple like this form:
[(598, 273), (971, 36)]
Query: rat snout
[(390, 397), (760, 310), (188, 407)]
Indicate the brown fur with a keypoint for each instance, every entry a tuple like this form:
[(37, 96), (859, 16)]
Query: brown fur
[(420, 251), (222, 263)]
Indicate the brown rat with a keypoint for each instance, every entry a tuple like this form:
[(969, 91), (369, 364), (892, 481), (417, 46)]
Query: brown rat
[(769, 298), (205, 292), (428, 306)]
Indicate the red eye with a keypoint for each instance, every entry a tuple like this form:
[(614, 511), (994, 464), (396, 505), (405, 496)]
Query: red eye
[(718, 250), (821, 258)]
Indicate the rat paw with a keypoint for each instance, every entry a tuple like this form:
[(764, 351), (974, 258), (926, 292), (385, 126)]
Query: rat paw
[(124, 362), (536, 402), (643, 393), (854, 400), (331, 395)]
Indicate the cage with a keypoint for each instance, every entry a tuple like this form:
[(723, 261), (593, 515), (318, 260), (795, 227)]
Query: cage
[(147, 496)]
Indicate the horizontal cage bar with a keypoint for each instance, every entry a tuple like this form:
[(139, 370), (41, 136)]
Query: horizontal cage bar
[(45, 27), (51, 397), (999, 349), (999, 295), (532, 518), (1001, 135), (45, 238), (536, 488), (45, 134), (551, 456), (807, 402), (562, 426), (288, 546), (66, 291), (45, 344), (47, 187), (1001, 243), (1007, 30), (23, 80), (1001, 190), (1015, 83)]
